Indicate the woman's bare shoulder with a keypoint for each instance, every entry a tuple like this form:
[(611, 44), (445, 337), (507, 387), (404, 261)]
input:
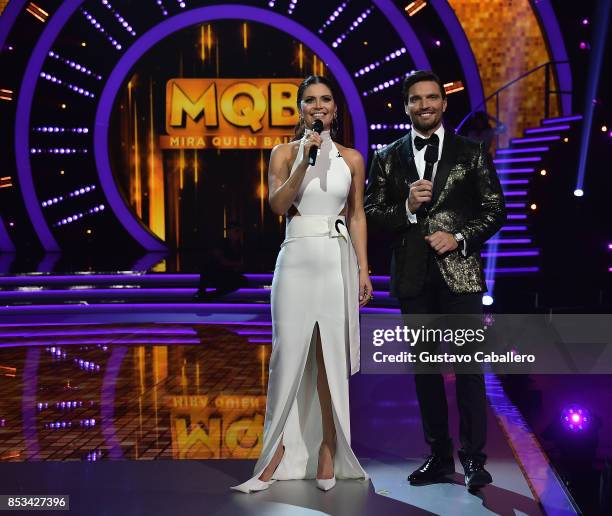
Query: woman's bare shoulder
[(286, 150), (287, 147), (352, 156)]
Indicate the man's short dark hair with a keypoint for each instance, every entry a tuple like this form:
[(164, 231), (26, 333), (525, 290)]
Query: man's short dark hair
[(420, 76)]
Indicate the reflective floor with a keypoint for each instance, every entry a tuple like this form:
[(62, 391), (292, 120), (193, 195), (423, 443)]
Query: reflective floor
[(142, 391), (87, 404)]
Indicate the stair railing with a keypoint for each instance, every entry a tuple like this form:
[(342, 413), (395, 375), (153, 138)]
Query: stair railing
[(547, 93)]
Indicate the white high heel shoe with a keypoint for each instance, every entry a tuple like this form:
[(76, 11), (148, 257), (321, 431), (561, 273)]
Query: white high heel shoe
[(253, 485), (256, 484), (325, 484)]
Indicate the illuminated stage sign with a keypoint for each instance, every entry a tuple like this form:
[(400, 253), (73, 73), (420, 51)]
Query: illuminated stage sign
[(229, 113)]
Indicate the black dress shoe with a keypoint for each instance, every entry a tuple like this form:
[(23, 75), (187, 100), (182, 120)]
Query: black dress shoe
[(432, 469), (475, 474)]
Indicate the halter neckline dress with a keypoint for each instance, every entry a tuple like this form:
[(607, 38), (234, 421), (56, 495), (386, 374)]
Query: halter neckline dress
[(315, 284)]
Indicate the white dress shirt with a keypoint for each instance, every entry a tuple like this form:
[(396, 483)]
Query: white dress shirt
[(419, 161)]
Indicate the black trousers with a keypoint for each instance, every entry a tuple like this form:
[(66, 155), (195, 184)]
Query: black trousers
[(436, 298)]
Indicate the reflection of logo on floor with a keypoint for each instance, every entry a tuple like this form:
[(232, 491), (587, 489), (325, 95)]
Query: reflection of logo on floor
[(339, 155), (226, 427)]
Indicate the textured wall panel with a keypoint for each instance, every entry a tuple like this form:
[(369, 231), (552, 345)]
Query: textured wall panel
[(507, 41)]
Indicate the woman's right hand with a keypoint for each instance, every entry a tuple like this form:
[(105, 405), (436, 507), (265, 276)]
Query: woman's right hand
[(308, 141)]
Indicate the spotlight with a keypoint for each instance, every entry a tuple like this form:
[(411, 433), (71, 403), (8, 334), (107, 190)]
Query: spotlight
[(576, 419), (534, 206), (438, 43), (604, 128), (83, 44), (63, 106), (487, 300), (578, 192), (585, 21), (566, 139), (543, 172)]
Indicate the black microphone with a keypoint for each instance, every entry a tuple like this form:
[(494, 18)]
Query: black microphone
[(431, 156), (317, 126)]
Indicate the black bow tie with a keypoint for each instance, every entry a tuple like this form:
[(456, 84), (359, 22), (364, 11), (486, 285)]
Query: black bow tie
[(419, 142)]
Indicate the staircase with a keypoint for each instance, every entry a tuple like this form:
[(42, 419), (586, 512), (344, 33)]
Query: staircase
[(513, 251)]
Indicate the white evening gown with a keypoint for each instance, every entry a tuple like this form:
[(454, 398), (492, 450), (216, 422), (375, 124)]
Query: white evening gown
[(315, 282)]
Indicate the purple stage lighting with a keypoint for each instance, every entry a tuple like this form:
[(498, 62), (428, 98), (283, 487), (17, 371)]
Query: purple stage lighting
[(161, 5), (376, 64), (576, 419), (332, 17), (74, 65), (73, 87), (291, 7), (386, 84), (352, 27), (120, 19), (101, 29)]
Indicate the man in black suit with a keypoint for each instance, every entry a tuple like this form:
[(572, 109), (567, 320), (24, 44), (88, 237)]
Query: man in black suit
[(439, 195)]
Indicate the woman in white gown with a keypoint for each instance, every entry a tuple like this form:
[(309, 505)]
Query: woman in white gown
[(320, 280)]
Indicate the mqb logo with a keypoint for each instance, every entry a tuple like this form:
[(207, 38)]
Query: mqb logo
[(229, 113)]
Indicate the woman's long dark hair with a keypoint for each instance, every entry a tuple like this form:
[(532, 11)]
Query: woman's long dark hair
[(310, 80)]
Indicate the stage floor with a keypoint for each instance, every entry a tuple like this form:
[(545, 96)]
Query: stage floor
[(136, 417)]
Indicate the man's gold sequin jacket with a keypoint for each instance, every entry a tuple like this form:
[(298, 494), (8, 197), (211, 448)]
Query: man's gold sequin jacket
[(467, 198)]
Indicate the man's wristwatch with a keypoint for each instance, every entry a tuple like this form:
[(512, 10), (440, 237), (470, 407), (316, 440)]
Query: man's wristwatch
[(459, 238)]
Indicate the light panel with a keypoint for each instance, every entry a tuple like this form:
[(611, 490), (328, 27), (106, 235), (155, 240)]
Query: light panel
[(122, 21), (97, 25), (161, 5), (333, 16), (358, 21), (414, 7), (74, 65), (69, 85), (376, 64), (77, 216), (386, 84), (40, 14)]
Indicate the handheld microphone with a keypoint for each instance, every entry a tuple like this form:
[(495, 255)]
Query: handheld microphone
[(431, 156), (312, 155)]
